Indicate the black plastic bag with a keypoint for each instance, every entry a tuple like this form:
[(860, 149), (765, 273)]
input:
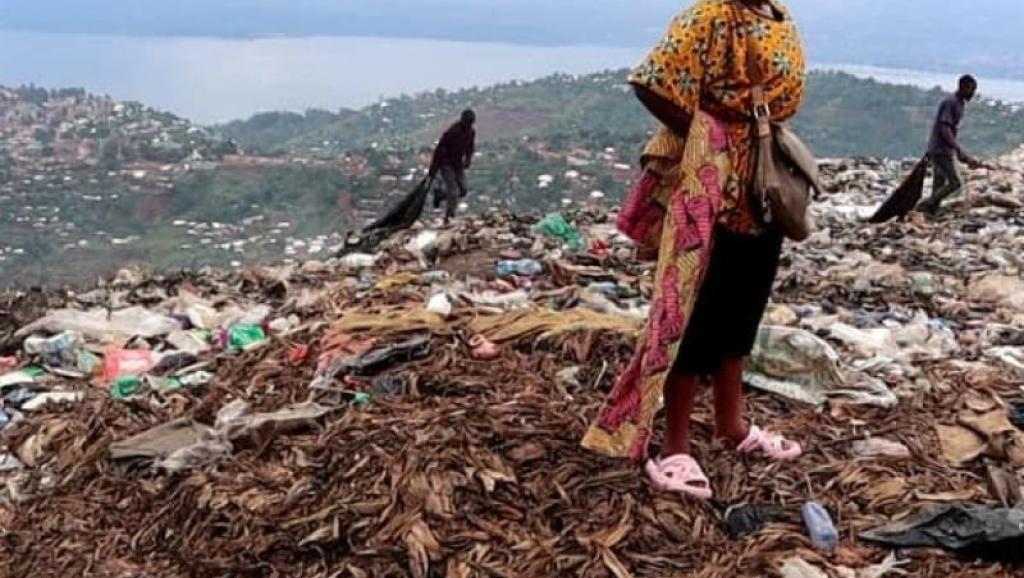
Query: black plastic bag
[(906, 197), (407, 212), (979, 532), (745, 520)]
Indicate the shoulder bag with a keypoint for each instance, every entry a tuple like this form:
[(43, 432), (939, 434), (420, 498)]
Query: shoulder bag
[(786, 173)]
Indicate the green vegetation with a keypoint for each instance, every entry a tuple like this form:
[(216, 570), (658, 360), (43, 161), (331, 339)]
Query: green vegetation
[(848, 116), (267, 133), (307, 196), (581, 134), (843, 116)]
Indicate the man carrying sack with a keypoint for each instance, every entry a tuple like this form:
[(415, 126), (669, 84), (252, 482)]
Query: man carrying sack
[(453, 155), (944, 148)]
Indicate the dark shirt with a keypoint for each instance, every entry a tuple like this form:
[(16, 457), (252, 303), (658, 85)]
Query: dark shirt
[(455, 149), (947, 123)]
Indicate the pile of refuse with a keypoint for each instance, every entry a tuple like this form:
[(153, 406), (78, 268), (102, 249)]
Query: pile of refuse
[(414, 407)]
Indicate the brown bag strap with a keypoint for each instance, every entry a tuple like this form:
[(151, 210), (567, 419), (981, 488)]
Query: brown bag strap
[(766, 177), (760, 110)]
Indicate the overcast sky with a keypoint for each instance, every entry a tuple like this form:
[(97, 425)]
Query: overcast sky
[(935, 34)]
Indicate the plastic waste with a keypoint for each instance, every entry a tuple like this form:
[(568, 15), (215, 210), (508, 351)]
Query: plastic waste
[(978, 532), (797, 567), (164, 383), (87, 362), (555, 225), (57, 351), (797, 364), (161, 441), (103, 326), (440, 305), (390, 385), (8, 362), (820, 527), (203, 316), (433, 277), (602, 304), (126, 387), (5, 418), (358, 261), (26, 376), (9, 463), (55, 397), (242, 337), (422, 243), (14, 397), (194, 341), (128, 362), (174, 361), (413, 348), (745, 520), (504, 301), (196, 379), (202, 453), (891, 566), (1011, 357), (522, 268), (254, 315), (284, 324), (608, 289)]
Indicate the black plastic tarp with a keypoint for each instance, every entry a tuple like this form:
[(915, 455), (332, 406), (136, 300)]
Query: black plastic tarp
[(405, 213)]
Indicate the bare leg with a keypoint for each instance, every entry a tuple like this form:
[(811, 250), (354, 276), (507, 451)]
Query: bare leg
[(680, 395), (728, 386)]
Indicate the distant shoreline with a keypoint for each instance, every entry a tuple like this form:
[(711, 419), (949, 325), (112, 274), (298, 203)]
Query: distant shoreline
[(1007, 90), (213, 80)]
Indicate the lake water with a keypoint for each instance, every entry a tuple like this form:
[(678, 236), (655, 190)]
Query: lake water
[(211, 80)]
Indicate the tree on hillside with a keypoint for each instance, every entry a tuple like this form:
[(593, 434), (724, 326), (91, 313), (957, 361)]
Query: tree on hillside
[(110, 154)]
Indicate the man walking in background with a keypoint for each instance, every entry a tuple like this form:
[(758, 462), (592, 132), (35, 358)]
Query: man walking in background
[(453, 155), (944, 148)]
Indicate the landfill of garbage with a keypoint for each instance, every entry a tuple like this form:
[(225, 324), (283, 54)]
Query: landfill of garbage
[(415, 405)]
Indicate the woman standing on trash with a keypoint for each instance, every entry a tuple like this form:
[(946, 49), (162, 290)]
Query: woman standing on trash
[(716, 264)]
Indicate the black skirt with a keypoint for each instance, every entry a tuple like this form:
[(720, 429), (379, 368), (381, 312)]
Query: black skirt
[(731, 302)]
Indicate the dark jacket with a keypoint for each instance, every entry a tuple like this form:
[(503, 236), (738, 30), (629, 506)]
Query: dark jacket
[(947, 127), (455, 149)]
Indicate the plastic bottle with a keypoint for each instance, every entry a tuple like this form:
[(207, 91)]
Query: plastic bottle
[(820, 527), (607, 288), (56, 351), (431, 277), (522, 267)]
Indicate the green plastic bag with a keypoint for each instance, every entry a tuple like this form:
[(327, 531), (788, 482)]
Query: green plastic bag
[(555, 225), (243, 337), (167, 384), (125, 387)]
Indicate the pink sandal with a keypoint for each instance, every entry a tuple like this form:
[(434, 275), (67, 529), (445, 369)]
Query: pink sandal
[(771, 445), (680, 474)]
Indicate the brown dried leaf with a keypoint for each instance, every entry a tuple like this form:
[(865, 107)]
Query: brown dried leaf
[(887, 489), (422, 547), (955, 496), (959, 444), (612, 562)]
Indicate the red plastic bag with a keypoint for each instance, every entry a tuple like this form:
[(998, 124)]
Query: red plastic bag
[(124, 362)]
